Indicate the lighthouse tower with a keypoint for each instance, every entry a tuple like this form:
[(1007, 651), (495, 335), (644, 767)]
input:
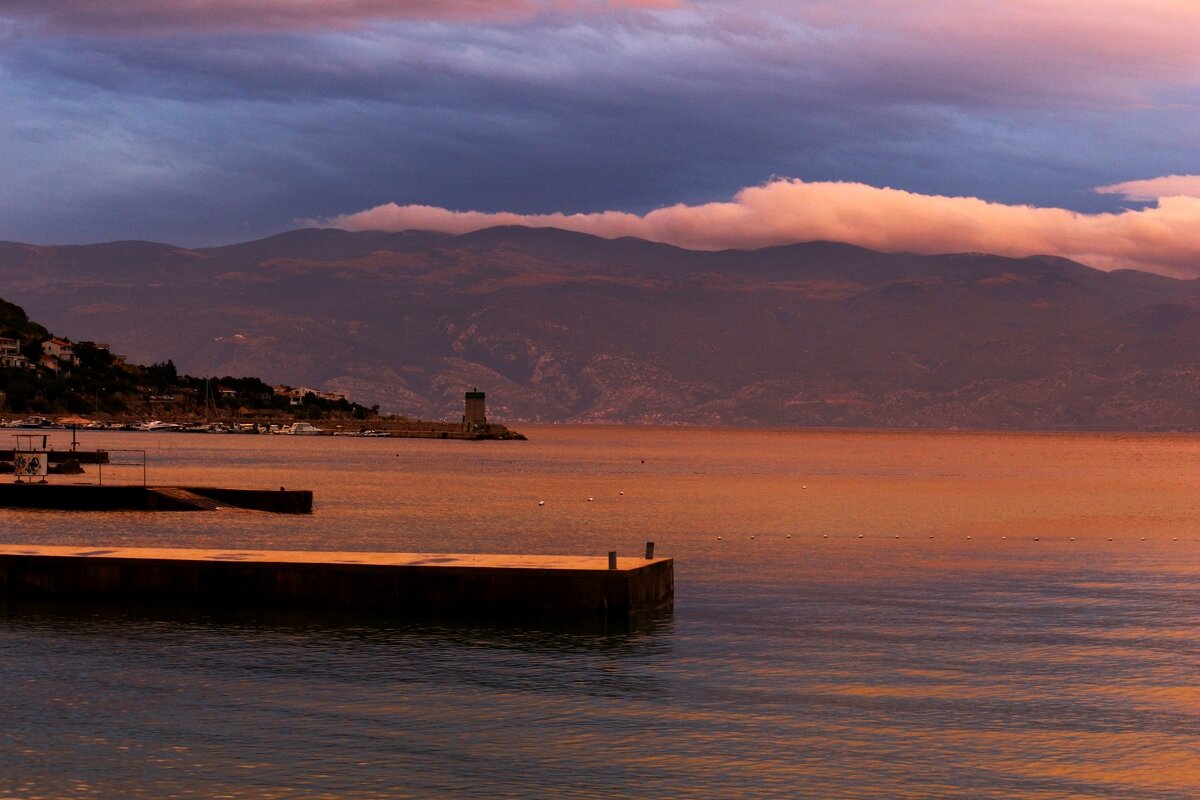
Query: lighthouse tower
[(474, 414)]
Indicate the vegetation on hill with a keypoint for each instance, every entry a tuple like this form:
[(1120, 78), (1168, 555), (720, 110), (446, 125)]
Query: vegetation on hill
[(102, 383)]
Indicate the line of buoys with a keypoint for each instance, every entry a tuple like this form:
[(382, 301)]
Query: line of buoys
[(590, 499)]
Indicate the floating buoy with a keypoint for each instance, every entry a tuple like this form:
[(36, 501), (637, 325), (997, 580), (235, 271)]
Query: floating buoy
[(968, 537), (860, 536), (804, 487), (1072, 538), (824, 535), (752, 536), (590, 499), (1036, 539), (622, 494), (789, 536)]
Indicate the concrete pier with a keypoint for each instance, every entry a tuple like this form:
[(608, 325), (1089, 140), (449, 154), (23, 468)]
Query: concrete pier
[(91, 497), (388, 583)]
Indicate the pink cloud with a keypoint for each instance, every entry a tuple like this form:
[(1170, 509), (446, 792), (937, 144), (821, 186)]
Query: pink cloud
[(1144, 36), (1164, 238), (1156, 188), (1089, 53), (126, 17)]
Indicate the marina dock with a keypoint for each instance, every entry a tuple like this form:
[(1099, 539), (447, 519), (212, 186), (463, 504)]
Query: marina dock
[(388, 583)]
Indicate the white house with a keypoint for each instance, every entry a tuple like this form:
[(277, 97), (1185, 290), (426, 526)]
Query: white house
[(60, 349), (10, 354)]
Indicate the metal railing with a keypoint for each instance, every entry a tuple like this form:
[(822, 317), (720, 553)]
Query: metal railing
[(121, 458)]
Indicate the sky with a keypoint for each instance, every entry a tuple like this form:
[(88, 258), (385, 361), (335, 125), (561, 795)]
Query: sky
[(1068, 127)]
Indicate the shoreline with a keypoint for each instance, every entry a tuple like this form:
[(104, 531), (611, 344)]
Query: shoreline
[(382, 427)]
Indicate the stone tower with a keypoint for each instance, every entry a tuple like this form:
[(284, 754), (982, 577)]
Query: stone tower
[(475, 415)]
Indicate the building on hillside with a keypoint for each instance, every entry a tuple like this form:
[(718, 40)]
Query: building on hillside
[(10, 354), (320, 394), (474, 414), (62, 350), (293, 396), (296, 396), (117, 359), (49, 362)]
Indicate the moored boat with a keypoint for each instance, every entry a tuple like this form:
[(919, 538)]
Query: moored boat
[(301, 429)]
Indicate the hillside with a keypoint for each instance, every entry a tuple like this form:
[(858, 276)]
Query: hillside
[(560, 326), (43, 374)]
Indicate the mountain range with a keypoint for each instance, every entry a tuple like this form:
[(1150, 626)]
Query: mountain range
[(562, 326)]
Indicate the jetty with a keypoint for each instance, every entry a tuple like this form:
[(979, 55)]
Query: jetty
[(31, 489), (63, 456), (92, 497), (403, 584)]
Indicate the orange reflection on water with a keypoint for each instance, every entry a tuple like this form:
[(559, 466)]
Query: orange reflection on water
[(1001, 647)]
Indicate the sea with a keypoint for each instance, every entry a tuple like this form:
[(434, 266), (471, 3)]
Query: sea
[(857, 615)]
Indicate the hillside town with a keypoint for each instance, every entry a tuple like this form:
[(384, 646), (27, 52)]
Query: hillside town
[(47, 381), (42, 375)]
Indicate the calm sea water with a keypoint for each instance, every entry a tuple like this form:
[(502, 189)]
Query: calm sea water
[(858, 615)]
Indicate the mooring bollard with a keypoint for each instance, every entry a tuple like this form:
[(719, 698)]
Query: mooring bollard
[(612, 559), (649, 550)]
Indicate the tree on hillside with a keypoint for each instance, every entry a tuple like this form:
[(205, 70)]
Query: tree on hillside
[(162, 375), (15, 324)]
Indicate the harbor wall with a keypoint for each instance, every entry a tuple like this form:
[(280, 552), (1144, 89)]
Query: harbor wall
[(88, 497), (251, 580), (282, 501)]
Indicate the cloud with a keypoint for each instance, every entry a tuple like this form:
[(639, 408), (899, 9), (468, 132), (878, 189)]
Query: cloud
[(165, 17), (1164, 238), (1156, 188), (528, 105), (1009, 46)]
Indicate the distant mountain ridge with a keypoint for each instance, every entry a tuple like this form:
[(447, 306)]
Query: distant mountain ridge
[(563, 326)]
